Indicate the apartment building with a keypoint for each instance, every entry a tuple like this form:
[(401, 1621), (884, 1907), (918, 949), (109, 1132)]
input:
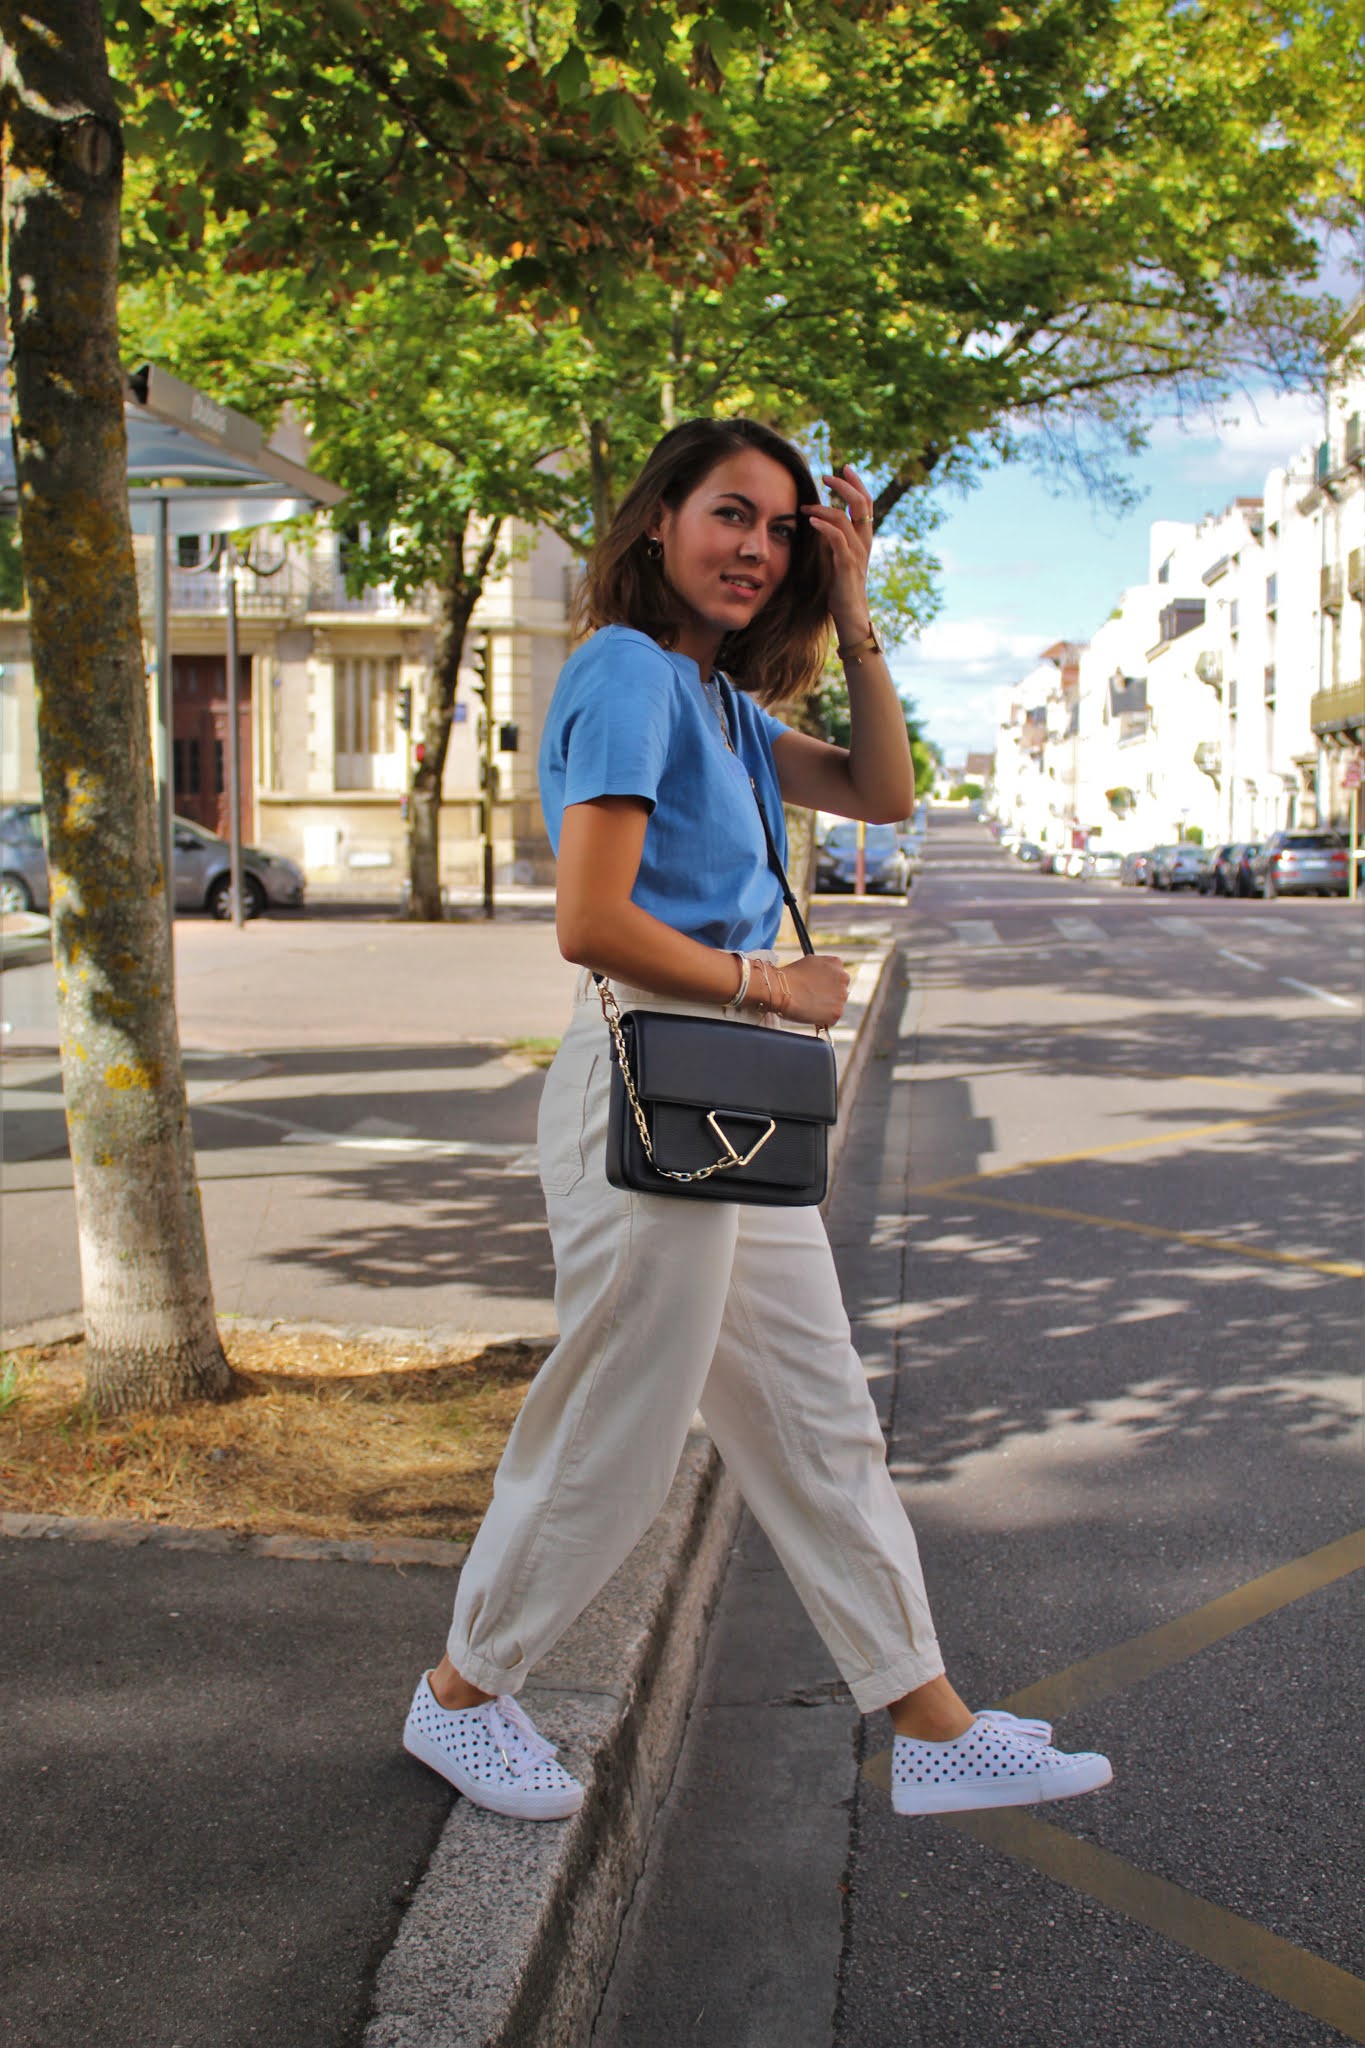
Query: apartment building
[(1225, 693), (327, 680)]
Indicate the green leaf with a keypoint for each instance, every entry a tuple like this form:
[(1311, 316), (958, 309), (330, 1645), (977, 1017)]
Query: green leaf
[(571, 77), (672, 97)]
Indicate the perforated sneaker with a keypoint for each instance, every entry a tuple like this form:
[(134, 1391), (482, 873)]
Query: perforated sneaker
[(1000, 1761), (493, 1753)]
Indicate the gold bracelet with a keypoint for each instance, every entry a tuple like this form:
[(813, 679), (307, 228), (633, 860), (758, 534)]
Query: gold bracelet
[(868, 644)]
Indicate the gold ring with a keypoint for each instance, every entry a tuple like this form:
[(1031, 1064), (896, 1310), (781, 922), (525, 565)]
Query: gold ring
[(864, 519)]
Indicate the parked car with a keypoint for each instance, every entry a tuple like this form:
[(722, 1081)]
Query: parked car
[(23, 858), (1135, 869), (1101, 865), (1180, 867), (912, 846), (1301, 864), (886, 871), (1029, 855), (202, 869), (1229, 870)]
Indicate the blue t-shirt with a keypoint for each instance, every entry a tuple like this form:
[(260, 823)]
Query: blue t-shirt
[(628, 718)]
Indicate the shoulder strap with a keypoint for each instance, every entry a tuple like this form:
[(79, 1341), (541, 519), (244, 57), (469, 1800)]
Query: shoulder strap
[(774, 857)]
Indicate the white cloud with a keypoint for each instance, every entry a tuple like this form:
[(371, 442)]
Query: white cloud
[(1264, 431), (960, 674), (973, 646)]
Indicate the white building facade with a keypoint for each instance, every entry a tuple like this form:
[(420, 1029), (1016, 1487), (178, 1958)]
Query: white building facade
[(1224, 695)]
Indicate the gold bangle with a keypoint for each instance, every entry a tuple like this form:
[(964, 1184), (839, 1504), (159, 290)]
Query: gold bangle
[(868, 644)]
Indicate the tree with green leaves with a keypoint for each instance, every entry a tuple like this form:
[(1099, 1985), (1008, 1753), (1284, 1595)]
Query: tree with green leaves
[(932, 239), (150, 1333), (454, 187)]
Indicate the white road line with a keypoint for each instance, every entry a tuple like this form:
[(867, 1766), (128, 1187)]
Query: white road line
[(1183, 926), (977, 931), (1081, 929), (1342, 1002), (1240, 958)]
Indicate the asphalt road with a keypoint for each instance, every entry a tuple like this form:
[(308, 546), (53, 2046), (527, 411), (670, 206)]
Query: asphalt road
[(1099, 1228)]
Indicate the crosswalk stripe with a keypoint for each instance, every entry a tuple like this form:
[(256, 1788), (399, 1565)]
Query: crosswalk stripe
[(1183, 926), (1080, 928), (977, 931)]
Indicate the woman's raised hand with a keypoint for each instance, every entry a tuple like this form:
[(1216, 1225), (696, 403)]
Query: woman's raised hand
[(845, 528), (819, 989)]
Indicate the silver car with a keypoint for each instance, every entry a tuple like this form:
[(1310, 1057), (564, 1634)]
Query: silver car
[(202, 869)]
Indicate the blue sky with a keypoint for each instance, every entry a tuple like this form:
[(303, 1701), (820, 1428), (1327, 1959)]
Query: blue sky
[(1024, 566)]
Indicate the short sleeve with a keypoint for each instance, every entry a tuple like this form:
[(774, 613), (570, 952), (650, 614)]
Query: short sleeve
[(772, 726), (617, 730)]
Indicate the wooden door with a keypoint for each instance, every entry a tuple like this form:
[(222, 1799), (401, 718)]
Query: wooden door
[(199, 727)]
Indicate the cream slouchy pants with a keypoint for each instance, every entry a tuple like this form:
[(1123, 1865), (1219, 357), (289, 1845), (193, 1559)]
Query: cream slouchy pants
[(664, 1307)]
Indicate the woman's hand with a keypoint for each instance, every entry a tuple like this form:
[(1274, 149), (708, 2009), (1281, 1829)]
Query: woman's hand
[(845, 529), (819, 985)]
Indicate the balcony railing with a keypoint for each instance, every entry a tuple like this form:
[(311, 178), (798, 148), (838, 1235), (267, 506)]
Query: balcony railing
[(327, 592), (201, 590), (1329, 588), (1339, 710)]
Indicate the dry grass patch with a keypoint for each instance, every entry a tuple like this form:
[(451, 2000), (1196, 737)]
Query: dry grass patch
[(325, 1437)]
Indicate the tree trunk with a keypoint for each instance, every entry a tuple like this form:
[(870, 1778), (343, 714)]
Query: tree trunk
[(463, 589), (150, 1332)]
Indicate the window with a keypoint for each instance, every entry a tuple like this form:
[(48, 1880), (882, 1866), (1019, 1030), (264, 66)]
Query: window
[(368, 740), (185, 770), (189, 551)]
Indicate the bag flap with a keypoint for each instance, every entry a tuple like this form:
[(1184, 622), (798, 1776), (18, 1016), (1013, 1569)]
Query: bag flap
[(710, 1064)]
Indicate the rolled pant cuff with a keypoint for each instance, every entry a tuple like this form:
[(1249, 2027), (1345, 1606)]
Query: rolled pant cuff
[(893, 1681), (474, 1670)]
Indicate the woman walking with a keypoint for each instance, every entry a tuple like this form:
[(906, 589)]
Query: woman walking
[(711, 597)]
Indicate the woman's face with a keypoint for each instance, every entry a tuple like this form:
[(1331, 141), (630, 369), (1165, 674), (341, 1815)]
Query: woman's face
[(727, 547)]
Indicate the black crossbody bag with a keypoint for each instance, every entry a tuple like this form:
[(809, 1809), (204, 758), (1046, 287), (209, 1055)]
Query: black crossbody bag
[(718, 1112)]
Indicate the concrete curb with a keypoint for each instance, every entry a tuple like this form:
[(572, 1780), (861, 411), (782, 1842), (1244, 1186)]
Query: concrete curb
[(509, 1937)]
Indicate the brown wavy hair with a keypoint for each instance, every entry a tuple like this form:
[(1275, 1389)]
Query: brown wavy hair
[(780, 654)]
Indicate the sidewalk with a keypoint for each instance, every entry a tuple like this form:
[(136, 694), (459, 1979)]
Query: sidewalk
[(220, 1835)]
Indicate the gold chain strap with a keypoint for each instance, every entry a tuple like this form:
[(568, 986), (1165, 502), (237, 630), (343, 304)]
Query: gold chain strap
[(607, 996)]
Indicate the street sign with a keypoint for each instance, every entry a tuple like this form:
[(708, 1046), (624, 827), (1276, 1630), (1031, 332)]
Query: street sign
[(1350, 774)]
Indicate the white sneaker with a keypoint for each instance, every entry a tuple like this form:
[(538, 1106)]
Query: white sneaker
[(493, 1753), (1000, 1761)]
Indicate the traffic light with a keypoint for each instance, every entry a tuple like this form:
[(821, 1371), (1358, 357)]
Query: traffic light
[(509, 739), (479, 662), (405, 706)]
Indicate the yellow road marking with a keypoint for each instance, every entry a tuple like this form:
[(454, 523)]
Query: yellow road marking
[(1157, 1138), (1236, 1945), (1110, 1671), (1133, 1074), (1293, 1975), (963, 1191)]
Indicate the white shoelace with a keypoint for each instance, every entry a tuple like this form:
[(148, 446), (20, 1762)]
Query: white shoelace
[(519, 1742), (1028, 1731)]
